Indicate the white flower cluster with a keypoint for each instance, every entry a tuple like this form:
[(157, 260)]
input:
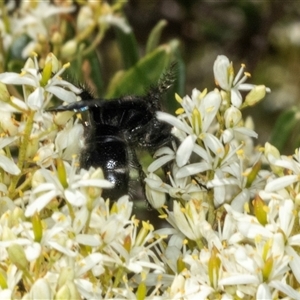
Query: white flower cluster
[(233, 226), (215, 143), (32, 24)]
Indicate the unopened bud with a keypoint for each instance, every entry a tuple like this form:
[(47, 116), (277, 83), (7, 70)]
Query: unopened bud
[(255, 95), (155, 196), (41, 290), (65, 275), (4, 94), (260, 210), (68, 291), (17, 255), (69, 49)]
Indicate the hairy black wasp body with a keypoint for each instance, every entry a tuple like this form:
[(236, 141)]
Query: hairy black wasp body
[(116, 128)]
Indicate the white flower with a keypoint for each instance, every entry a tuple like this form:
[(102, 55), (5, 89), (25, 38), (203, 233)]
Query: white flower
[(165, 155), (284, 162), (35, 20), (155, 195), (74, 192), (235, 178), (195, 124), (85, 18), (13, 278), (43, 91), (233, 124), (279, 228), (45, 155), (67, 141), (8, 124), (190, 219), (7, 164), (40, 290), (224, 77)]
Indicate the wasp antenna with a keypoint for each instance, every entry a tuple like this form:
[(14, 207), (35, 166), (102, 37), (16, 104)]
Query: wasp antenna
[(76, 106), (79, 106)]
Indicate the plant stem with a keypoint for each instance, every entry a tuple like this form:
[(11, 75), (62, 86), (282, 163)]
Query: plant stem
[(22, 151)]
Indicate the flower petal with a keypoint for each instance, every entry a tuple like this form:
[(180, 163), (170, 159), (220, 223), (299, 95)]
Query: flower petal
[(185, 150), (8, 165), (281, 182)]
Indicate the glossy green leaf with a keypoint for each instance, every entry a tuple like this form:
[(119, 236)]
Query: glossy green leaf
[(284, 127), (128, 47), (154, 37), (146, 72), (180, 78), (96, 75)]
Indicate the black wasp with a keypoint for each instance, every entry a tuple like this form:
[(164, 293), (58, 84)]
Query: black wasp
[(116, 128)]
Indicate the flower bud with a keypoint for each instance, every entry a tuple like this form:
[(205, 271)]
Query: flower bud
[(3, 280), (223, 72), (37, 227), (37, 179), (196, 121), (127, 243), (85, 18), (44, 155), (155, 196), (141, 291), (47, 71), (69, 49), (66, 274), (178, 285), (29, 64), (4, 94), (61, 172), (267, 268), (94, 191), (68, 291), (255, 95), (17, 215), (260, 211), (41, 290), (17, 255), (180, 264), (232, 116), (61, 118), (8, 123), (214, 265), (253, 174), (272, 153), (7, 234), (56, 38)]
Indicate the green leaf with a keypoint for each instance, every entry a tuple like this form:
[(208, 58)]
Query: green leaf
[(128, 47), (284, 127), (154, 36), (181, 77), (178, 87), (96, 74), (146, 72)]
